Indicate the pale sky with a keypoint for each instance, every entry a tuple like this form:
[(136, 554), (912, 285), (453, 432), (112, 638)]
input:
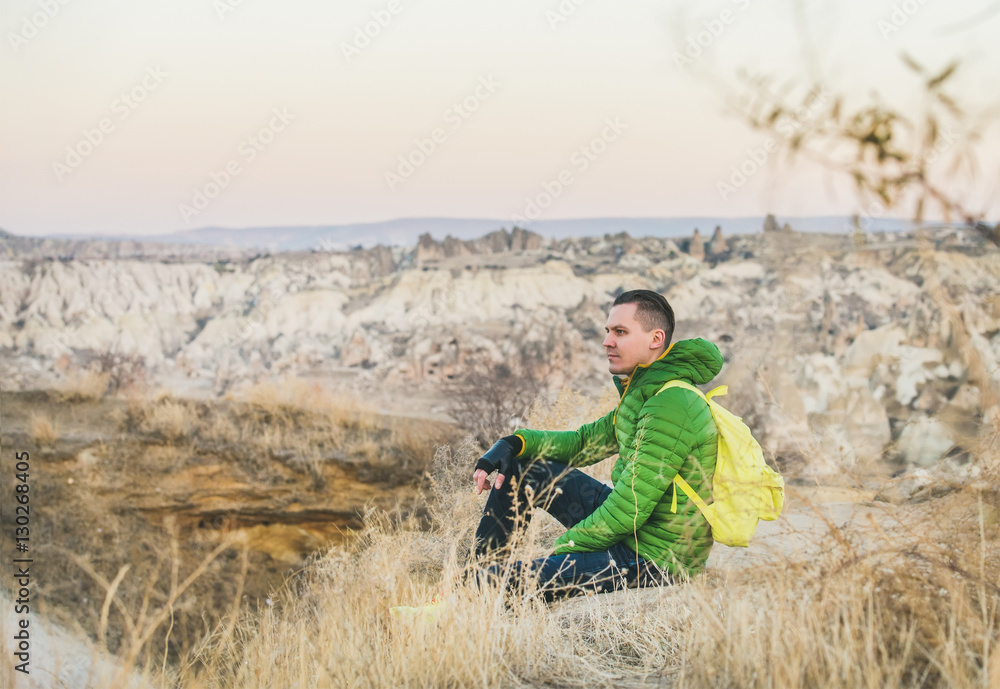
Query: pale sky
[(505, 98)]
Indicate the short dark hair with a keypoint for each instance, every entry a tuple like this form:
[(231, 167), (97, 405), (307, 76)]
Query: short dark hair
[(652, 311)]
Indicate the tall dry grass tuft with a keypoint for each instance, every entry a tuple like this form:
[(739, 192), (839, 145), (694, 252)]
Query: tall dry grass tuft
[(84, 386), (571, 408), (342, 408), (44, 430), (169, 418)]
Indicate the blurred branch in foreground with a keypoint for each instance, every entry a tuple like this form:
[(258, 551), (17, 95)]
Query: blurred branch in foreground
[(911, 162)]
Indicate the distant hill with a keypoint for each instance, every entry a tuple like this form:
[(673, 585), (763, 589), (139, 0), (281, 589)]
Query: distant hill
[(406, 231)]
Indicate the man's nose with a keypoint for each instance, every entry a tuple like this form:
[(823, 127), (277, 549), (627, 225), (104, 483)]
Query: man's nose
[(608, 341)]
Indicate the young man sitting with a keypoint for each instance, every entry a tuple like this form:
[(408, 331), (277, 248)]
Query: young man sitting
[(638, 531)]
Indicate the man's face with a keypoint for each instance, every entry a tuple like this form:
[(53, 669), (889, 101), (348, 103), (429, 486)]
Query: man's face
[(627, 344)]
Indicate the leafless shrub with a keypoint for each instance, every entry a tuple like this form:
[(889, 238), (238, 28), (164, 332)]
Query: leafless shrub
[(491, 397), (123, 370)]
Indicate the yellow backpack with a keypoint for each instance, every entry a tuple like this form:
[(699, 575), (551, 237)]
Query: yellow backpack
[(744, 488)]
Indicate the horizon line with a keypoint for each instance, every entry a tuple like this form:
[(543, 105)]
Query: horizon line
[(503, 223)]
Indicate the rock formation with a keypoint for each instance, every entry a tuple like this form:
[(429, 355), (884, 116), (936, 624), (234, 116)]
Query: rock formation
[(697, 246), (836, 356), (525, 240), (717, 244), (496, 242), (771, 225)]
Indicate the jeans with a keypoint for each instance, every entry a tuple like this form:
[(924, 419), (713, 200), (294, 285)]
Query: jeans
[(570, 496)]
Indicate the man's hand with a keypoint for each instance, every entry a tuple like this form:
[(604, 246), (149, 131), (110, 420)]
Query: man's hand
[(499, 458), (481, 479)]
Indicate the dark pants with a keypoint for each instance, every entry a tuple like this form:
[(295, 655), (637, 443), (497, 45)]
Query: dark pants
[(569, 495)]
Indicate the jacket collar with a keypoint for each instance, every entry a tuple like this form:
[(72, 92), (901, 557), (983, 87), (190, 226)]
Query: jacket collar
[(696, 361), (622, 383)]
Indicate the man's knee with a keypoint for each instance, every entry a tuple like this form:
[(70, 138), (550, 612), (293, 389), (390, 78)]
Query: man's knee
[(542, 476)]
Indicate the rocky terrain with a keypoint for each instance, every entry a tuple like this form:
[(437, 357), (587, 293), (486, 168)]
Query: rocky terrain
[(28, 248), (842, 351)]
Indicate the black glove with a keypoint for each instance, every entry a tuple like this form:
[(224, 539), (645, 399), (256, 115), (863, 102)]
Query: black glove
[(500, 457)]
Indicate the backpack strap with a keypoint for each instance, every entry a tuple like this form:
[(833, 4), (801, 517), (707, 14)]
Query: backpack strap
[(688, 491), (684, 485), (719, 391)]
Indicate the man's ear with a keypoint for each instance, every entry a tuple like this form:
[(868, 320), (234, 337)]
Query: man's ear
[(657, 342)]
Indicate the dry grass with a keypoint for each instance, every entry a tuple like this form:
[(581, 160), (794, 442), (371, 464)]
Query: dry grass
[(111, 517), (170, 419), (918, 607), (44, 430), (84, 386), (364, 447), (915, 607), (299, 424), (915, 603), (342, 408)]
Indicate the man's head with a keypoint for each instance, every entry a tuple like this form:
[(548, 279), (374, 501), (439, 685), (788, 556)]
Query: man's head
[(639, 329)]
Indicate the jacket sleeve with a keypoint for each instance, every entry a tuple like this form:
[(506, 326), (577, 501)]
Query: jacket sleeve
[(665, 434), (588, 444)]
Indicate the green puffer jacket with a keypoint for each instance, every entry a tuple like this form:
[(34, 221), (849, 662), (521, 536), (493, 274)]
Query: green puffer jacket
[(655, 436)]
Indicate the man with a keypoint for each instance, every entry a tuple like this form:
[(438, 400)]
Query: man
[(640, 531)]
